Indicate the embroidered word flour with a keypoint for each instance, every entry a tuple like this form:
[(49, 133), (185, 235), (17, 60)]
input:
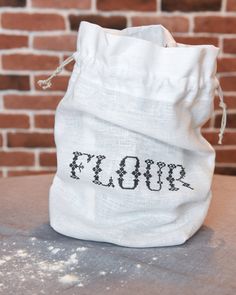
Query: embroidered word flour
[(126, 162), (133, 167)]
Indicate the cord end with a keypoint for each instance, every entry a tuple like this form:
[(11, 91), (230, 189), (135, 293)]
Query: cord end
[(44, 84), (220, 138)]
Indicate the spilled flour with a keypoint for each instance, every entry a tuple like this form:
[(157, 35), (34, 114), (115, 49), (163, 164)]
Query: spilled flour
[(68, 279), (72, 259), (81, 249), (55, 251), (2, 261), (39, 261), (21, 253), (32, 266)]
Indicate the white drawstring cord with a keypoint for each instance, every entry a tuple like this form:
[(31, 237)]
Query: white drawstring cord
[(47, 83), (224, 114)]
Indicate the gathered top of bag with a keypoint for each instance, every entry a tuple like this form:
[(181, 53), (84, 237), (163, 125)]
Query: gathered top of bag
[(149, 50), (145, 59), (147, 53)]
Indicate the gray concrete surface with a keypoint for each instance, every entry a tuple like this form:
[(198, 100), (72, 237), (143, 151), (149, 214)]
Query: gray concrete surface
[(34, 259)]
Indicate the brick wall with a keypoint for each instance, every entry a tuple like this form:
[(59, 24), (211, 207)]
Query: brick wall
[(36, 35)]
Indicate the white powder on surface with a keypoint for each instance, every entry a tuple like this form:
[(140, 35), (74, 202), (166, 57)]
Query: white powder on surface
[(68, 279), (154, 258), (72, 259), (37, 263), (81, 249), (57, 266), (2, 262), (21, 253), (7, 258), (55, 251)]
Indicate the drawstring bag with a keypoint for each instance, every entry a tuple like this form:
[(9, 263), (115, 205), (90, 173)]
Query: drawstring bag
[(133, 168)]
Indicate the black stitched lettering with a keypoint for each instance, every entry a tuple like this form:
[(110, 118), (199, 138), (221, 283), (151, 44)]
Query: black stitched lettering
[(97, 169), (175, 173), (79, 167), (121, 172), (172, 180), (148, 174)]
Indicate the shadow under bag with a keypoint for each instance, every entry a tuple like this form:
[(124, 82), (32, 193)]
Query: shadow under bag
[(133, 167)]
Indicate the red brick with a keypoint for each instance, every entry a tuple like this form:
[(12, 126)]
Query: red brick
[(48, 159), (215, 24), (16, 158), (229, 45), (57, 43), (229, 100), (113, 22), (228, 83), (13, 3), (14, 121), (44, 121), (195, 40), (14, 82), (31, 140), (227, 64), (13, 41), (33, 21), (226, 156), (137, 5), (172, 23), (225, 170), (231, 121), (31, 102), (69, 67), (191, 5), (29, 172), (207, 124), (79, 4), (59, 83), (231, 5), (1, 140), (30, 62), (229, 138)]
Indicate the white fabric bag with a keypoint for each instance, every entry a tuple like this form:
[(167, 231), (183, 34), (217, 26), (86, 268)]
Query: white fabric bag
[(133, 167)]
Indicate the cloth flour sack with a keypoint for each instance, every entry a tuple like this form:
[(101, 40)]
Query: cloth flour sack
[(133, 167)]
